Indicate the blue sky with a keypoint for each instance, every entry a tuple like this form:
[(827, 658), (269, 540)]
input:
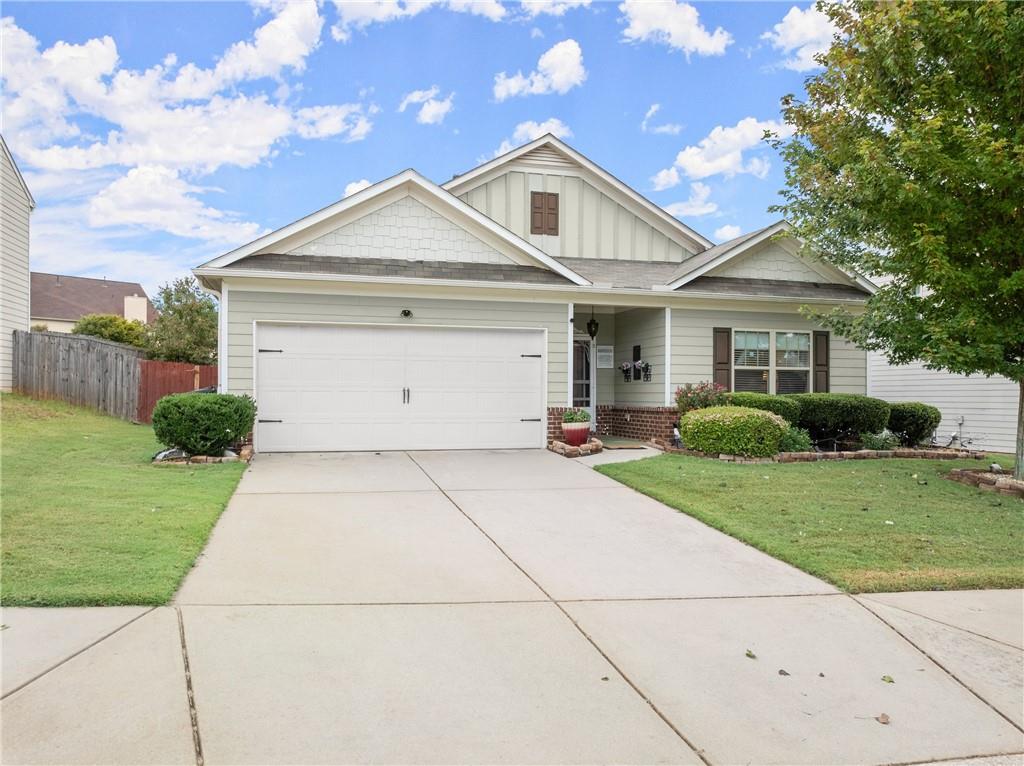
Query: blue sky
[(157, 135)]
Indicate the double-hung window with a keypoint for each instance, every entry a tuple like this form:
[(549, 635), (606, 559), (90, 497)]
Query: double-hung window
[(771, 361)]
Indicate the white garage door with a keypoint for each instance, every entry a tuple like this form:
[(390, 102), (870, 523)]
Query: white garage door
[(321, 388)]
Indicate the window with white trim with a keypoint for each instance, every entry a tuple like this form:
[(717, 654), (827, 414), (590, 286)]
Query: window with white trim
[(771, 361)]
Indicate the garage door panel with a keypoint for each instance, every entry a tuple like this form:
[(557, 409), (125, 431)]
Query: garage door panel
[(341, 387)]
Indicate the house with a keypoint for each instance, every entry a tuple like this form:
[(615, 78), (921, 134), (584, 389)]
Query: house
[(16, 205), (978, 410), (471, 315), (58, 301)]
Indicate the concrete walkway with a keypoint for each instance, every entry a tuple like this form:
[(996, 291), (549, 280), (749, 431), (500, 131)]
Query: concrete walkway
[(504, 607)]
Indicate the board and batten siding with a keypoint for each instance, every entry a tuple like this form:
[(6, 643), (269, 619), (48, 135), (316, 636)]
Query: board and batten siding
[(591, 223), (692, 353), (645, 328), (246, 306), (15, 288), (988, 406)]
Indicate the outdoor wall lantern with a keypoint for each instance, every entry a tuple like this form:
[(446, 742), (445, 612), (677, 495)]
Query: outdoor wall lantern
[(592, 325)]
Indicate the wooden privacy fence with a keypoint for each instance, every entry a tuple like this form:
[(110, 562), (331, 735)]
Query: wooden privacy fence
[(110, 377)]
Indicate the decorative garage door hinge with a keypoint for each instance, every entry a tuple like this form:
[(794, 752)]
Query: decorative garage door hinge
[(261, 420), (530, 356), (271, 350)]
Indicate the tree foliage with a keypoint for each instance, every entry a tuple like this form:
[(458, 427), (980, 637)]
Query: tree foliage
[(907, 163), (111, 327), (186, 328)]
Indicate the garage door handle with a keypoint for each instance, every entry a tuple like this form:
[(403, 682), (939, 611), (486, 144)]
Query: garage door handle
[(271, 350), (529, 420), (529, 356), (261, 420)]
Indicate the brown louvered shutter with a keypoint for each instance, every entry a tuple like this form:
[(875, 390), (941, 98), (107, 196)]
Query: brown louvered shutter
[(551, 214), (821, 361), (722, 358), (537, 213)]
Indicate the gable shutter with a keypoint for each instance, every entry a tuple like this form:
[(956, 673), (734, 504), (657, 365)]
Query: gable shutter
[(551, 214), (821, 350), (537, 213), (722, 357)]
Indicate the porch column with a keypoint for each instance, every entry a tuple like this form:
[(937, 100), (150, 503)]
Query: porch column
[(668, 357), (569, 356)]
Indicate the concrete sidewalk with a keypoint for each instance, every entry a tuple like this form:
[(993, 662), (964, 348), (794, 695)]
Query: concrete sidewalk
[(504, 607)]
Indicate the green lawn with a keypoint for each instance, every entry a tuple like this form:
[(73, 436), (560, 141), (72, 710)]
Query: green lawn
[(87, 519), (863, 525)]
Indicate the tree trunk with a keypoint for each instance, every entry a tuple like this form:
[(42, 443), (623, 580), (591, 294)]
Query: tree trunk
[(1018, 468)]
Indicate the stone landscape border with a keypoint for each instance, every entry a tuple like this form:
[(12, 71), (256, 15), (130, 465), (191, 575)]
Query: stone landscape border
[(592, 447), (811, 457), (986, 480)]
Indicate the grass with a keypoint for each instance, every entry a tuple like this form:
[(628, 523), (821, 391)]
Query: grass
[(87, 519), (863, 525)]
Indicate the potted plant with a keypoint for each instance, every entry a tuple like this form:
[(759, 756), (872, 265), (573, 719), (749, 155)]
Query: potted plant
[(576, 427)]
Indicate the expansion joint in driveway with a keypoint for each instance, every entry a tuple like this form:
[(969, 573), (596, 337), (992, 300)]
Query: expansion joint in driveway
[(552, 600), (197, 741)]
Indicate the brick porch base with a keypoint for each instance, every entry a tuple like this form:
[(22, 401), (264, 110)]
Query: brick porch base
[(630, 422)]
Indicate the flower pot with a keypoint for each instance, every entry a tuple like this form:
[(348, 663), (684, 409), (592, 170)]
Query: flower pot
[(576, 434)]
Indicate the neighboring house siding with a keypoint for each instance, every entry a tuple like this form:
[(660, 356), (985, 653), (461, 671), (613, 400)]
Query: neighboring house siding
[(245, 307), (54, 325), (692, 345), (406, 229), (646, 328), (771, 261), (987, 405), (591, 223), (14, 274)]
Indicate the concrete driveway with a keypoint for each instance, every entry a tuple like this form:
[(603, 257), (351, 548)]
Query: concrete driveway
[(504, 607)]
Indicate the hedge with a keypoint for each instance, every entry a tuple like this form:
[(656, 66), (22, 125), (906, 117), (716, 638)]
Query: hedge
[(203, 424), (913, 422), (733, 431), (783, 406), (830, 417)]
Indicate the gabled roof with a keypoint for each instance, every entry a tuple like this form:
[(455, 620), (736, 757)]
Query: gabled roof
[(17, 174), (460, 182), (411, 179), (56, 296), (713, 258)]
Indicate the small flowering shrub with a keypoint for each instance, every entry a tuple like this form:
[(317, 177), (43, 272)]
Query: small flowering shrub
[(733, 431), (203, 424), (796, 440), (576, 415), (698, 396)]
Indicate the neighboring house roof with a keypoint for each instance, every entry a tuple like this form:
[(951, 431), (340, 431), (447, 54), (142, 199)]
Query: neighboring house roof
[(460, 182), (56, 296), (431, 191), (391, 267), (17, 173)]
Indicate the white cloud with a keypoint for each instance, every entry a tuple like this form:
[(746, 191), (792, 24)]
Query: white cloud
[(359, 14), (668, 128), (727, 232), (722, 151), (672, 23), (534, 8), (665, 179), (156, 199), (433, 110), (527, 131), (558, 71), (536, 33), (356, 186), (802, 34), (698, 204)]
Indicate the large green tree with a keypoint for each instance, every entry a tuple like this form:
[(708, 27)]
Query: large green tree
[(906, 162), (186, 328)]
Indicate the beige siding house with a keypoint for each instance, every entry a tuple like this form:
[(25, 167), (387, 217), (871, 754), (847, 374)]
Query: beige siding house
[(16, 205), (416, 316)]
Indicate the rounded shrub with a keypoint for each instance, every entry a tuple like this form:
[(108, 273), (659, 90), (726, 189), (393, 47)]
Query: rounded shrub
[(733, 431), (841, 416), (785, 407), (112, 327), (796, 440), (203, 424), (913, 422)]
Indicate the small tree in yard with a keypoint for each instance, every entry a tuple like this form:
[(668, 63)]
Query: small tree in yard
[(186, 328), (111, 327), (906, 162)]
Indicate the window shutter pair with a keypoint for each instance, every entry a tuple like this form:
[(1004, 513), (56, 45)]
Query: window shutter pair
[(722, 359), (543, 213)]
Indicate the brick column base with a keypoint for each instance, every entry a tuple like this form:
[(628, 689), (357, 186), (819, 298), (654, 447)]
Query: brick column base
[(630, 422)]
